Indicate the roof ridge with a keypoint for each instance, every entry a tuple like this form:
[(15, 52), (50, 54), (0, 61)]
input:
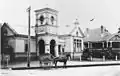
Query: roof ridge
[(6, 24)]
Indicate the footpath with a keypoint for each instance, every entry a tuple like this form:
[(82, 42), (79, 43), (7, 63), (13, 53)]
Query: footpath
[(36, 65)]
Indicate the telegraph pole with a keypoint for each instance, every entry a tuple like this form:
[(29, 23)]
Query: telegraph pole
[(28, 52), (36, 37)]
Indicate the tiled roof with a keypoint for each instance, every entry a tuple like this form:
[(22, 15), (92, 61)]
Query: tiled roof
[(24, 31), (63, 30), (106, 36), (19, 30), (96, 35)]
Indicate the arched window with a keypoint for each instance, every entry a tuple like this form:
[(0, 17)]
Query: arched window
[(41, 19), (52, 19)]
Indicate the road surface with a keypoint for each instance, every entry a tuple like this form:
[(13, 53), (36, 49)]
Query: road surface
[(78, 71)]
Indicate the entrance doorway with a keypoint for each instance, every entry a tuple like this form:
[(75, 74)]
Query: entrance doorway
[(41, 47), (59, 49), (52, 47)]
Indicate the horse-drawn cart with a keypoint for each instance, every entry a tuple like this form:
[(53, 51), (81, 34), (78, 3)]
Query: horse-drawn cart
[(50, 60)]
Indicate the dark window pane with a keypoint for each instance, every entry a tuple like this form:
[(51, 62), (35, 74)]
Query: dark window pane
[(26, 47)]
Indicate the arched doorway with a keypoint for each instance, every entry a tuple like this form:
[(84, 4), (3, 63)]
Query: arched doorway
[(41, 47), (52, 47)]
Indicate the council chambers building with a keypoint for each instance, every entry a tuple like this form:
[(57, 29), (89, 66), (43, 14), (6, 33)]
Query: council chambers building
[(47, 37)]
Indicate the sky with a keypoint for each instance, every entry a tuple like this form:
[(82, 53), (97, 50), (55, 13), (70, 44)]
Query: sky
[(104, 12)]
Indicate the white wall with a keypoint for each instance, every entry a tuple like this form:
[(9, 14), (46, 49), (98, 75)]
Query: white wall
[(52, 30), (47, 40), (71, 43), (20, 45), (32, 46), (68, 45)]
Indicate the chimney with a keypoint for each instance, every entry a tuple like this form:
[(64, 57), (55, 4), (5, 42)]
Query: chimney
[(76, 23), (106, 30), (101, 29), (119, 30), (87, 30)]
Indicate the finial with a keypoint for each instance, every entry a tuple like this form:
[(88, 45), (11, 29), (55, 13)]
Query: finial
[(76, 22)]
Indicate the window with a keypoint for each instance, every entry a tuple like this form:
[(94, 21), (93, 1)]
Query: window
[(63, 50), (77, 45), (26, 47), (116, 44), (52, 19), (77, 33), (41, 19), (59, 49)]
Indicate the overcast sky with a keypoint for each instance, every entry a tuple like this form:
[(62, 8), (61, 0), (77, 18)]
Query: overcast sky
[(105, 12)]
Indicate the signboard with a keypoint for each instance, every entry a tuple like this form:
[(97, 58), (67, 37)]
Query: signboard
[(41, 29), (6, 57)]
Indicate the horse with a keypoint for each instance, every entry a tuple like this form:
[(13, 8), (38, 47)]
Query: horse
[(50, 59)]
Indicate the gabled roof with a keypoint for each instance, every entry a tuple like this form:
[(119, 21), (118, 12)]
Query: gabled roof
[(24, 30), (9, 27), (18, 30), (96, 34), (114, 37), (78, 29), (69, 29)]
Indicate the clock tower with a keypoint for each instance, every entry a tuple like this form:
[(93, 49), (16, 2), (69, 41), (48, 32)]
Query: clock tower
[(46, 31)]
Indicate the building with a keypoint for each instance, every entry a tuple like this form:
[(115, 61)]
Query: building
[(46, 38), (102, 43), (114, 39), (15, 44), (97, 35)]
